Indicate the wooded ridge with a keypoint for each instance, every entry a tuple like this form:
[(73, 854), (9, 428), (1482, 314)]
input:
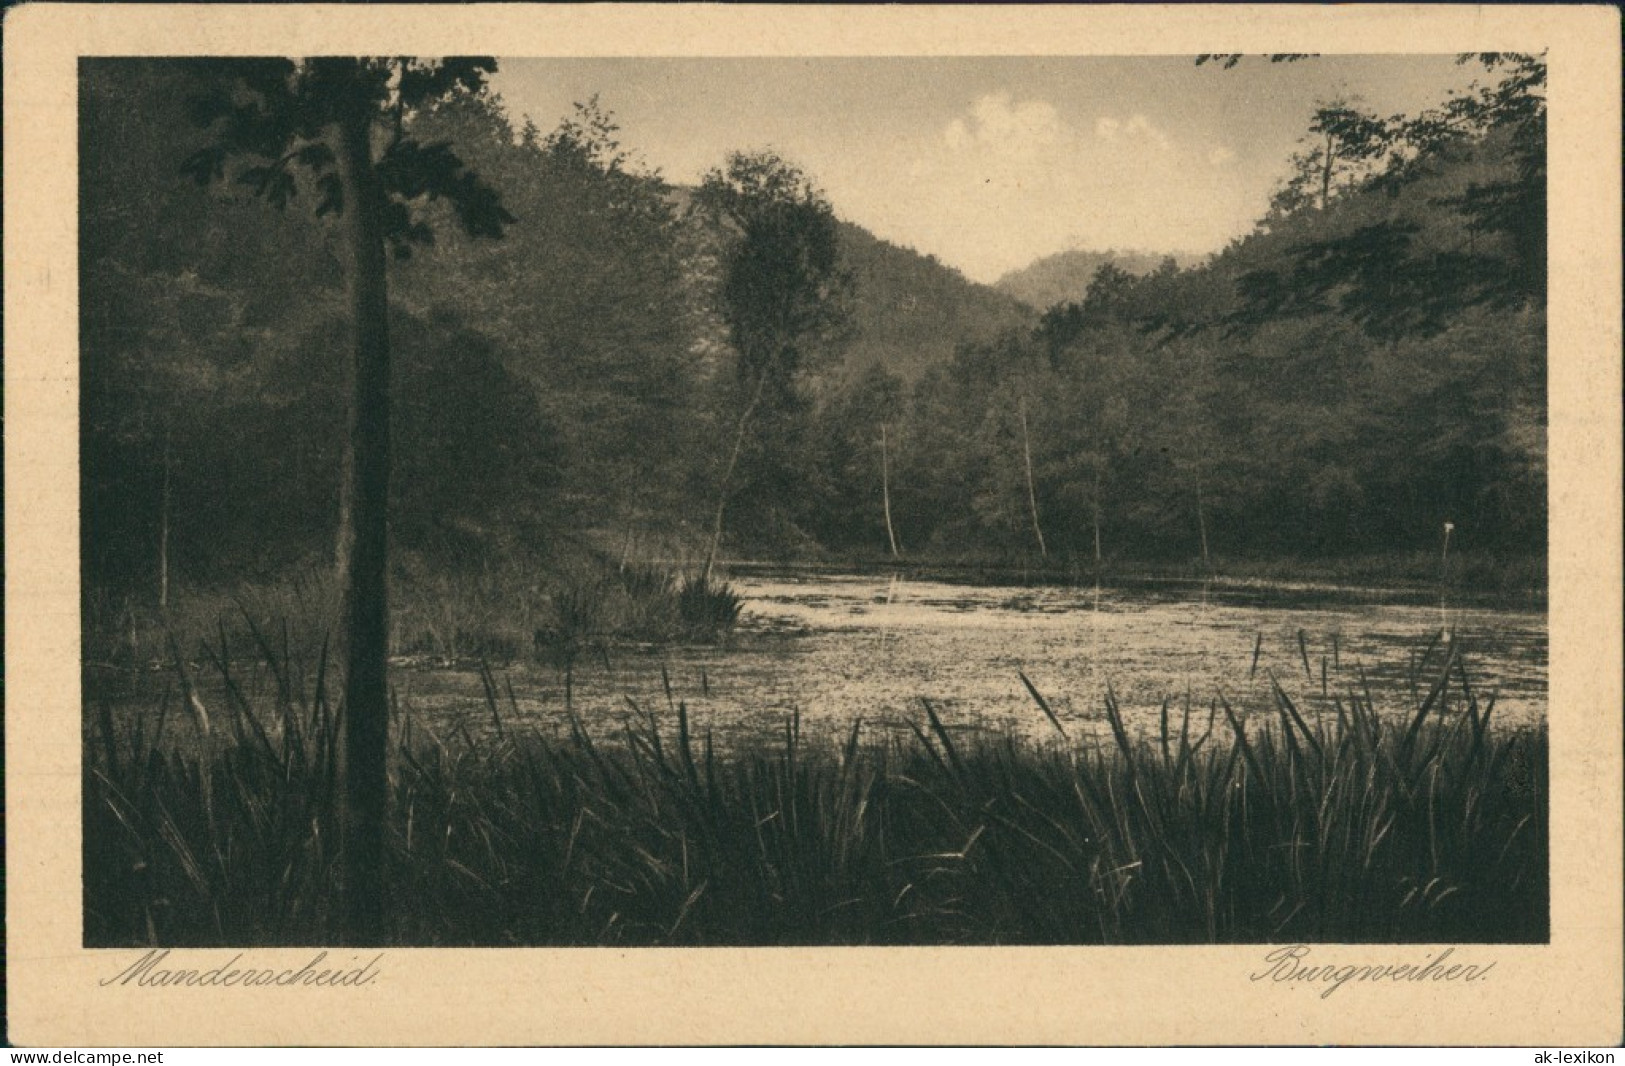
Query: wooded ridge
[(1365, 367)]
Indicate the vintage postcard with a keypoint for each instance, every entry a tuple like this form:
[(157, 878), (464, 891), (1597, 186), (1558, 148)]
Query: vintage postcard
[(738, 524)]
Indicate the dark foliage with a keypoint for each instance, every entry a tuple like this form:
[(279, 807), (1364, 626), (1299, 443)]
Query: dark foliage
[(1340, 383)]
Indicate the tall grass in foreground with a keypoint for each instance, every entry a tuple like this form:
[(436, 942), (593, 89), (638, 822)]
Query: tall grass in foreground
[(1346, 823)]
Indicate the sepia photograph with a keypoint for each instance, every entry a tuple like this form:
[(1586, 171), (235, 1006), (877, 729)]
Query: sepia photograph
[(820, 501), (866, 499)]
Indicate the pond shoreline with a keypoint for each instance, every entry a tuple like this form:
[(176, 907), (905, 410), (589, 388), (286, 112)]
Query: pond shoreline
[(1310, 582), (837, 646)]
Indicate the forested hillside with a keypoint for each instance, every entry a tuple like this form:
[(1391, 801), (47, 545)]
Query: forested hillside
[(1365, 367), (1065, 276), (910, 311)]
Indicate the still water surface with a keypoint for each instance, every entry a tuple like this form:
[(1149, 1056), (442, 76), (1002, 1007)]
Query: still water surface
[(833, 648)]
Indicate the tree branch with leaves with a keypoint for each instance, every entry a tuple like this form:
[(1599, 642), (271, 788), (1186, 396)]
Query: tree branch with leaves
[(344, 125)]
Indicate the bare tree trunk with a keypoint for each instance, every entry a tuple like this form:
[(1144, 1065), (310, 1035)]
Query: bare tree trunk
[(885, 489), (1326, 176), (365, 539), (727, 478), (1032, 495), (1097, 523), (1201, 522), (163, 532)]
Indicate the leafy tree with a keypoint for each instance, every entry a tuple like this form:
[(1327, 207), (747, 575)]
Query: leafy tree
[(1511, 205), (475, 465), (587, 298), (1228, 60), (938, 465), (1398, 264), (857, 446), (1343, 143), (344, 122), (780, 287), (179, 289)]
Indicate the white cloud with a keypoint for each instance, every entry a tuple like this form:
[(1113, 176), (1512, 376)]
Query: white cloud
[(1009, 179), (1012, 127), (1134, 129)]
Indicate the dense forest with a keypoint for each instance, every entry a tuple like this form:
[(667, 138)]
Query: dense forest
[(1062, 277), (1365, 367)]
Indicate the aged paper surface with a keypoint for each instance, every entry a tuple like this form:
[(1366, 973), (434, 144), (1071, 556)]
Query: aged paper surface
[(1567, 992)]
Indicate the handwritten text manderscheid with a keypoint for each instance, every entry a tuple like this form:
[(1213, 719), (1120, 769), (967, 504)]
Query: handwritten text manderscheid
[(153, 970), (1288, 965)]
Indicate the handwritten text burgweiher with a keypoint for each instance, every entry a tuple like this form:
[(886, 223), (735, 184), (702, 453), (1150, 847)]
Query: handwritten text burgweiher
[(1289, 965)]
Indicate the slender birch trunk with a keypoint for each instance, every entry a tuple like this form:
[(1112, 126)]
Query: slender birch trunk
[(1096, 503), (727, 478), (1201, 522), (1032, 495), (885, 489), (364, 538)]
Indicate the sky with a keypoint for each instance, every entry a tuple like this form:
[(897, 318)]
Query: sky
[(989, 163)]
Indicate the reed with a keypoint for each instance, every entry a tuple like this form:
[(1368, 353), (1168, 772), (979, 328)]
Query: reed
[(1309, 817), (487, 611), (708, 609), (650, 611)]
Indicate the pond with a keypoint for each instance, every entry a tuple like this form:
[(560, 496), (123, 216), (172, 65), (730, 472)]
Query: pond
[(833, 648)]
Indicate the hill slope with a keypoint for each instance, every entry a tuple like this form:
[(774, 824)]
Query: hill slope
[(911, 310), (1065, 276)]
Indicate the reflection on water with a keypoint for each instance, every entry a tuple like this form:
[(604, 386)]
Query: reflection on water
[(835, 648)]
